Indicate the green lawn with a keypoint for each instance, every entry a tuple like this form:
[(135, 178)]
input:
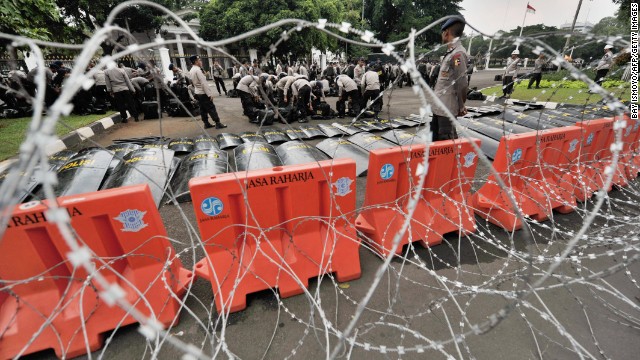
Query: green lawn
[(559, 95), (13, 131)]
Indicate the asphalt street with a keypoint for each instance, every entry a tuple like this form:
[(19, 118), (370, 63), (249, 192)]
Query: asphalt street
[(412, 305)]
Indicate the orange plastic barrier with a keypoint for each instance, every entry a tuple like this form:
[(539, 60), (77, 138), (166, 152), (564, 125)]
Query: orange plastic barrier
[(443, 205), (38, 283), (594, 152), (291, 228), (631, 148), (533, 166)]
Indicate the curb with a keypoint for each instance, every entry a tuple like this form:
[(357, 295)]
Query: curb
[(74, 137)]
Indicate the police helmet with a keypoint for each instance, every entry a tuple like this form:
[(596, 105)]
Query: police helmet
[(451, 21), (515, 52), (608, 47)]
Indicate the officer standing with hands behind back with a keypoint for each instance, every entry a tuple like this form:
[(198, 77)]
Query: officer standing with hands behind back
[(452, 85), (204, 94)]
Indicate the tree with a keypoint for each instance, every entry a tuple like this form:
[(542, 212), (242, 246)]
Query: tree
[(225, 18), (29, 18), (624, 12), (392, 20)]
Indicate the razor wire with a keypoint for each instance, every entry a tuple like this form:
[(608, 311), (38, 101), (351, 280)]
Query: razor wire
[(517, 273)]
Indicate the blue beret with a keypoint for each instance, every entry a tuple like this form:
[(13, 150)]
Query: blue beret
[(451, 21)]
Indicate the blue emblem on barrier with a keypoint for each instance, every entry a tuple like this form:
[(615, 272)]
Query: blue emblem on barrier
[(517, 155), (343, 186), (386, 171), (572, 145), (590, 139), (212, 206), (132, 220), (468, 159)]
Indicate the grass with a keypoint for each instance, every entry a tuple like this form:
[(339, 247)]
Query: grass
[(14, 131), (559, 95)]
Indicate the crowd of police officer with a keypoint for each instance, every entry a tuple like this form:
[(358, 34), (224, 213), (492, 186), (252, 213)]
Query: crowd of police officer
[(119, 87)]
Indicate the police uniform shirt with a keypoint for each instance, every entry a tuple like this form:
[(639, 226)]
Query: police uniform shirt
[(512, 67), (281, 84), (217, 70), (298, 84), (325, 85), (98, 77), (246, 82), (370, 81), (537, 66), (345, 83), (358, 72), (452, 84), (139, 82), (606, 61), (117, 80), (199, 81), (243, 71)]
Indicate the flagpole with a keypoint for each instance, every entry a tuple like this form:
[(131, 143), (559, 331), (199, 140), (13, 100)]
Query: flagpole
[(522, 27)]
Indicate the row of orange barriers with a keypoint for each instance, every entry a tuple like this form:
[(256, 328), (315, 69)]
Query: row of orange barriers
[(277, 228), (554, 169)]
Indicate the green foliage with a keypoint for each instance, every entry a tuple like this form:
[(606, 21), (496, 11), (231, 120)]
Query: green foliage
[(572, 84), (560, 95), (76, 20), (31, 18), (392, 20), (225, 18), (624, 12)]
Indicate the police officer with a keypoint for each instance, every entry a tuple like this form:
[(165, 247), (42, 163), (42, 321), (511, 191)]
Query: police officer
[(371, 89), (604, 64), (451, 86), (247, 92), (218, 71), (204, 94), (121, 90), (301, 90), (510, 73), (347, 89)]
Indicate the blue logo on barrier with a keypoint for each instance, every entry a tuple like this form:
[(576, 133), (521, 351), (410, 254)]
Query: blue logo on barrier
[(572, 145), (212, 206), (386, 171), (517, 155), (590, 139), (343, 186), (468, 159), (132, 220)]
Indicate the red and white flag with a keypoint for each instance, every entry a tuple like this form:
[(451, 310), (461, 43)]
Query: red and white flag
[(530, 9)]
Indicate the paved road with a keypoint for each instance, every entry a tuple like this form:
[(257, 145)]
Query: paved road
[(411, 306)]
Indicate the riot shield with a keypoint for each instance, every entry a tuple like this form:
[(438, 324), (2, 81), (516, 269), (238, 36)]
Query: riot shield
[(228, 140), (340, 149), (255, 155), (84, 172), (370, 141), (144, 166), (205, 162), (296, 152)]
